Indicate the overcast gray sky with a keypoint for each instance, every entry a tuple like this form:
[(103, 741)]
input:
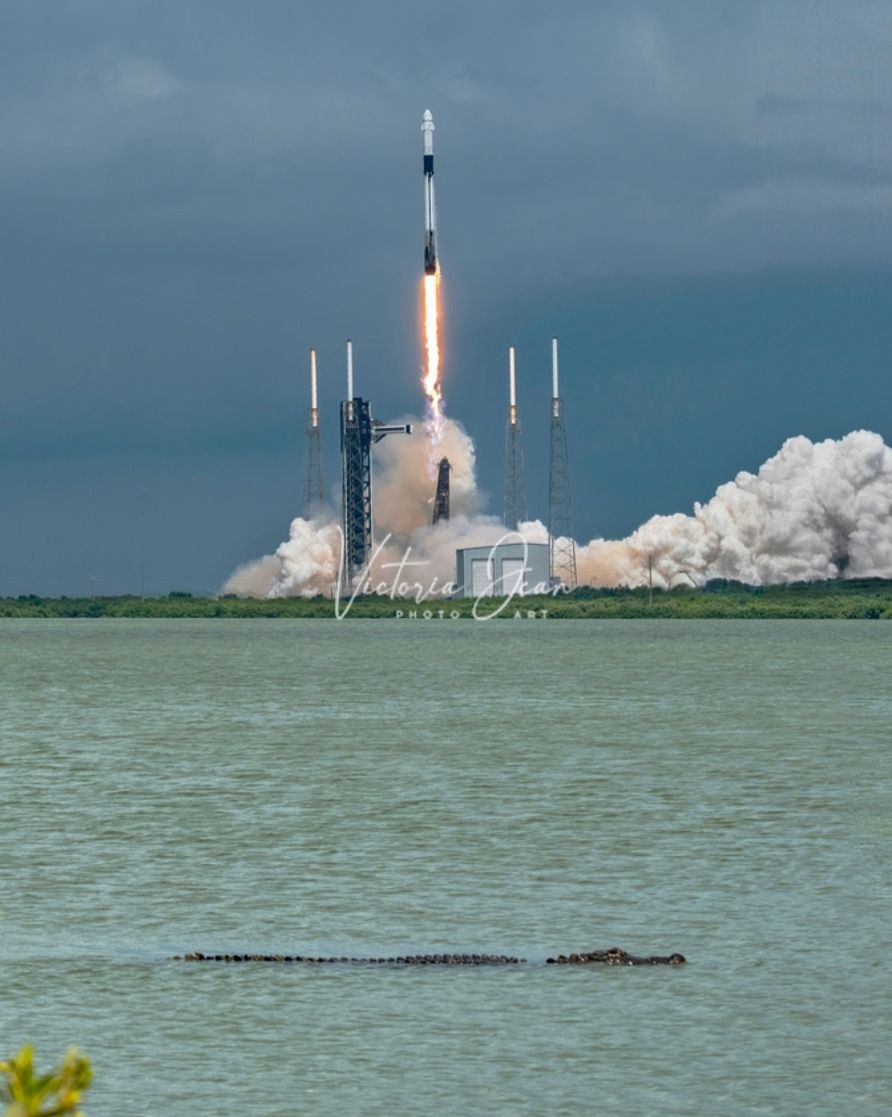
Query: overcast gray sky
[(695, 195)]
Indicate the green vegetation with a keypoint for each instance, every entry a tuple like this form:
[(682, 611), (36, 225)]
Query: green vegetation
[(56, 1093), (857, 599)]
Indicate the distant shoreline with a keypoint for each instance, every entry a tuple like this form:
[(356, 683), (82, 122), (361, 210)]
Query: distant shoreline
[(855, 599)]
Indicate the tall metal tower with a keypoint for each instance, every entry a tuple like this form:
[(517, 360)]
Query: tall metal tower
[(356, 478), (515, 478), (441, 500), (313, 489), (561, 544), (358, 431)]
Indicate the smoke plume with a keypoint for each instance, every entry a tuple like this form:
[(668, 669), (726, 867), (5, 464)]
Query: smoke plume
[(813, 511), (307, 563)]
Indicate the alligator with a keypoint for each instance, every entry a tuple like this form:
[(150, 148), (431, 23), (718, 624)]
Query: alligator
[(612, 957)]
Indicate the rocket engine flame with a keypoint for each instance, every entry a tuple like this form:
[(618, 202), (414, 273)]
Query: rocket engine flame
[(431, 377), (431, 302)]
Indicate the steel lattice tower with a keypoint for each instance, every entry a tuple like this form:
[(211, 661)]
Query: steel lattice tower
[(441, 500), (356, 483), (561, 544), (358, 431), (313, 488), (515, 477)]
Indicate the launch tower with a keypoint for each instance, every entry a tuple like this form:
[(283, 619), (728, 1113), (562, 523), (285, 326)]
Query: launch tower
[(561, 545), (358, 431)]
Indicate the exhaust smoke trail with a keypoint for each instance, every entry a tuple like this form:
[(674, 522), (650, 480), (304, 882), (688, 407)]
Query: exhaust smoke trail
[(813, 511)]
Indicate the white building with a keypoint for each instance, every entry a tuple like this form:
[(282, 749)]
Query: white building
[(505, 568)]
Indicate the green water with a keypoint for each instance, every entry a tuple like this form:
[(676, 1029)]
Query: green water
[(717, 788)]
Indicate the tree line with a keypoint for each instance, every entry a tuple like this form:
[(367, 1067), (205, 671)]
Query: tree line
[(853, 599)]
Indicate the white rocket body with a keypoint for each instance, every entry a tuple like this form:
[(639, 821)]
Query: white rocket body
[(430, 209)]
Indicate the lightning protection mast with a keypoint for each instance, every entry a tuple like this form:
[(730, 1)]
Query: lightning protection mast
[(515, 477), (313, 488), (561, 545)]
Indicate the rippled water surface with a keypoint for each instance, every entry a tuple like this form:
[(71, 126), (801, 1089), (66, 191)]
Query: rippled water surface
[(717, 788)]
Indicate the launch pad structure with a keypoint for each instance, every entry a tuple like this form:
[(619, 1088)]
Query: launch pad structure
[(441, 499), (358, 432)]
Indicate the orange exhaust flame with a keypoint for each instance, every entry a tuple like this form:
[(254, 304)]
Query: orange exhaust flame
[(431, 377)]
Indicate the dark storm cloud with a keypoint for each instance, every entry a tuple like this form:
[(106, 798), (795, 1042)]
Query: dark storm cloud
[(191, 194), (617, 126)]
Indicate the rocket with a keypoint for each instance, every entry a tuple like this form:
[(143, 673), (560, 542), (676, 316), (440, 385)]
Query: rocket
[(430, 210)]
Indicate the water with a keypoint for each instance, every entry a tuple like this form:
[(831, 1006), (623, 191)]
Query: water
[(717, 788)]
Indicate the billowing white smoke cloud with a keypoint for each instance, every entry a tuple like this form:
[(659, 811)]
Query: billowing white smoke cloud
[(406, 472), (404, 484), (813, 511)]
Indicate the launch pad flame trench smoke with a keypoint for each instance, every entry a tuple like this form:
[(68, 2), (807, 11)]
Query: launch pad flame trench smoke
[(813, 511)]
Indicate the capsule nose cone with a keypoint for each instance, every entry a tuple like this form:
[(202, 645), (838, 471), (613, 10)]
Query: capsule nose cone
[(428, 116)]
